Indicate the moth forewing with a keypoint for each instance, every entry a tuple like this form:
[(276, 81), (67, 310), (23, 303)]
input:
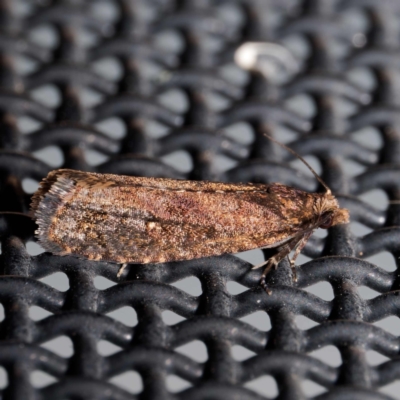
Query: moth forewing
[(126, 219)]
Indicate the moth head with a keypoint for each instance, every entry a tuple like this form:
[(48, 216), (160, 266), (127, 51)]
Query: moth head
[(330, 214), (326, 207)]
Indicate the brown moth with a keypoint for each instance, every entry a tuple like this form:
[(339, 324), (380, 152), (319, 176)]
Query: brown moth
[(125, 219)]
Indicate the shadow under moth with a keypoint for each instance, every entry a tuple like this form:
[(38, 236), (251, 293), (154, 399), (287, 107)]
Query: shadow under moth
[(126, 219)]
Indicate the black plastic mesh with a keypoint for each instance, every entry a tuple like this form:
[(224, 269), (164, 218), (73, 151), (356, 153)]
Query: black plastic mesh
[(176, 88)]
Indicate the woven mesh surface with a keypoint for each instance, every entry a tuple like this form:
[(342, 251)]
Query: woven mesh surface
[(150, 88)]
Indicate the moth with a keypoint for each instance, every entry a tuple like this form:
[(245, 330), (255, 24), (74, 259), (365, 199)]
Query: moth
[(126, 219)]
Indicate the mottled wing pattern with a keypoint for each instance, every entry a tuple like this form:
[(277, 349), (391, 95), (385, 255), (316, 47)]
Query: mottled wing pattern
[(144, 220)]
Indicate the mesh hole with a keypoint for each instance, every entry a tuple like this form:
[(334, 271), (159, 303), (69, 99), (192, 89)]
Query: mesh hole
[(234, 74), (94, 157), (304, 323), (38, 313), (3, 378), (175, 100), (44, 35), (171, 318), (170, 41), (363, 77), (298, 165), (58, 281), (106, 348), (390, 324), (51, 155), (89, 98), (112, 127), (61, 345), (392, 389), (156, 130), (368, 137), (383, 260), (126, 315), (40, 379), (30, 185), (263, 385), (25, 66), (302, 259), (190, 285), (109, 68), (359, 229), (231, 15), (321, 289), (223, 163), (255, 257), (106, 11), (176, 384), (329, 355), (34, 248), (196, 350), (311, 388), (376, 198), (353, 168), (374, 358), (302, 104), (217, 102), (181, 160), (240, 353), (345, 108), (102, 283), (241, 132), (130, 381), (320, 233), (367, 293), (21, 10), (235, 288), (48, 95), (259, 319), (27, 125), (2, 315), (86, 39)]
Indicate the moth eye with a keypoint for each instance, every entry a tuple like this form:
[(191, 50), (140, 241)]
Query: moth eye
[(326, 220)]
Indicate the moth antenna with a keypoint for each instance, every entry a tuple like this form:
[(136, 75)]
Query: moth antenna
[(328, 190)]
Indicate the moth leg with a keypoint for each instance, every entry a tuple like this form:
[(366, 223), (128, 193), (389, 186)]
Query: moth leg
[(283, 251), (280, 250), (270, 264), (294, 271), (121, 269), (299, 247)]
